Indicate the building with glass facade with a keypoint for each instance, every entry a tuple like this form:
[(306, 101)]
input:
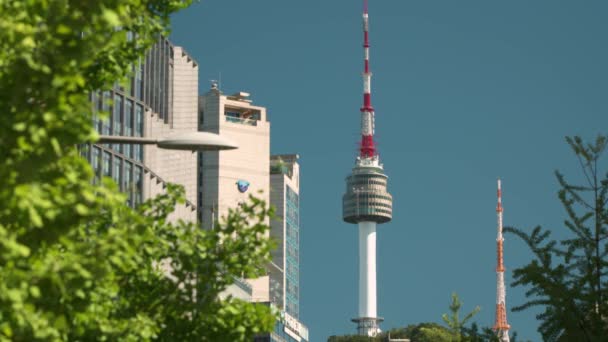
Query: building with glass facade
[(284, 270), (285, 229), (159, 99)]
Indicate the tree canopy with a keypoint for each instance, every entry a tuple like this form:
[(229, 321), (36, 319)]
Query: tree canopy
[(76, 263), (424, 332), (567, 278), (455, 330)]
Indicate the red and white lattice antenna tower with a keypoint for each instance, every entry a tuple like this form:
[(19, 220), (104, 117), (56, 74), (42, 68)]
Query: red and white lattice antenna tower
[(501, 327), (368, 147)]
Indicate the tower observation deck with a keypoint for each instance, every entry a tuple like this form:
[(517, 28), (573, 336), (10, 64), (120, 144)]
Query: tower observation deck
[(367, 201), (367, 197)]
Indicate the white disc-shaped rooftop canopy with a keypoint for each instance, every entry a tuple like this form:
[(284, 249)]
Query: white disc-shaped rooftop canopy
[(196, 141)]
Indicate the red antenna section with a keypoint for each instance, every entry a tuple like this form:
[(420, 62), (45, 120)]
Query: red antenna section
[(368, 147)]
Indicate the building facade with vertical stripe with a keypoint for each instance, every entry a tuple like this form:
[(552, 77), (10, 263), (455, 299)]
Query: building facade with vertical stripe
[(159, 99)]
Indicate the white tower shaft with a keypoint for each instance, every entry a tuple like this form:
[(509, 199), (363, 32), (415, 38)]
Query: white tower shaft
[(367, 269)]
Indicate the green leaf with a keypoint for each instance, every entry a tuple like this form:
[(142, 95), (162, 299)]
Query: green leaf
[(35, 291), (63, 29), (111, 17), (20, 126)]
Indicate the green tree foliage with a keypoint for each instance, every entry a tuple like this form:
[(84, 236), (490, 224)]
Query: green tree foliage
[(76, 263), (486, 334), (567, 278), (426, 332), (422, 332), (455, 325), (354, 338), (455, 330)]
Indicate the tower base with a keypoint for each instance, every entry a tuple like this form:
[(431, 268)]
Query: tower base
[(368, 326)]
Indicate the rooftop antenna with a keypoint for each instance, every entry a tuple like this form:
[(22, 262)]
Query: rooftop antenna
[(368, 147)]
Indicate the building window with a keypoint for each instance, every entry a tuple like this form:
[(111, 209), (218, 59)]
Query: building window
[(105, 107), (128, 126), (292, 218), (117, 174), (107, 98), (117, 119), (95, 155), (107, 161), (125, 85), (139, 131), (242, 116), (157, 79), (139, 186), (84, 151), (95, 108), (99, 100), (127, 182), (139, 83)]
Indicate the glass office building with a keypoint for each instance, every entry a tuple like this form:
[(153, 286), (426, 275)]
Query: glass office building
[(292, 249), (284, 270), (143, 106)]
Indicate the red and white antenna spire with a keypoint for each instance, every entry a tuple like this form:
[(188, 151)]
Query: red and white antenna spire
[(501, 327), (368, 147)]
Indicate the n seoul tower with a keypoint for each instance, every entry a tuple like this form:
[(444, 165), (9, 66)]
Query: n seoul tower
[(501, 327), (367, 201)]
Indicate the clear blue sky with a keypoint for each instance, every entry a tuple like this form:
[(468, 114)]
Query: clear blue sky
[(464, 92)]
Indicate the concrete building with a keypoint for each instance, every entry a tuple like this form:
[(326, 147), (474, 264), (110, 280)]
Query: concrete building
[(159, 100), (227, 178)]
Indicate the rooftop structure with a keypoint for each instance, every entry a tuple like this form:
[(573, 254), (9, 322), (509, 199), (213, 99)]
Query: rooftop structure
[(367, 201)]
